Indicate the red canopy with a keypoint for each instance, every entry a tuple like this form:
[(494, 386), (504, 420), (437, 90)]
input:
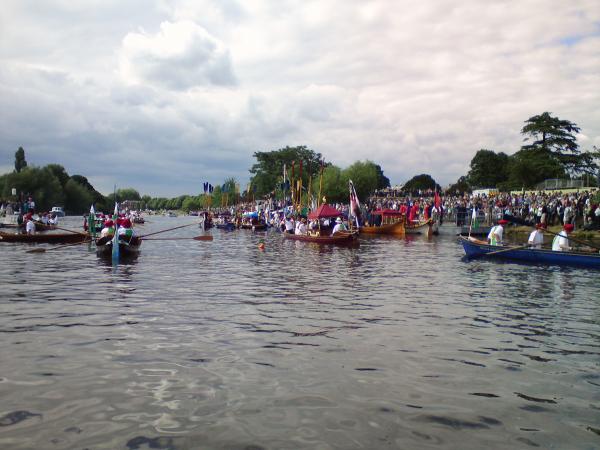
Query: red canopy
[(324, 211), (387, 212)]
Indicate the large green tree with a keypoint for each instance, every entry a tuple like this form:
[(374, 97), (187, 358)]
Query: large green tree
[(364, 176), (77, 197), (382, 181), (59, 172), (528, 167), (421, 182), (460, 187), (555, 138), (39, 183), (333, 187), (267, 172), (20, 162), (488, 169)]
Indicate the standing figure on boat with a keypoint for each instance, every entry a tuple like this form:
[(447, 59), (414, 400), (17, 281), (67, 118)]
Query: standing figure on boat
[(561, 240), (496, 233), (536, 238)]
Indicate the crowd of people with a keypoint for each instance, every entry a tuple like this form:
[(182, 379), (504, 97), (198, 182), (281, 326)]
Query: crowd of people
[(26, 216), (581, 209)]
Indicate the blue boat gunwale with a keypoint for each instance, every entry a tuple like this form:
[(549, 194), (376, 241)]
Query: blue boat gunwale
[(544, 256)]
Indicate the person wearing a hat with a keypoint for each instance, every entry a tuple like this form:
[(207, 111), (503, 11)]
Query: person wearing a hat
[(108, 229), (536, 238), (339, 226), (561, 240), (496, 233)]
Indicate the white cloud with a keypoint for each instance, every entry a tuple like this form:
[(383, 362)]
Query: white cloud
[(182, 55), (184, 91)]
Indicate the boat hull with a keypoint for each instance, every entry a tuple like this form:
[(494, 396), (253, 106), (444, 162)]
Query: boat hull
[(474, 248), (49, 238), (128, 248), (419, 228), (257, 227), (226, 226), (344, 238), (38, 226), (392, 228)]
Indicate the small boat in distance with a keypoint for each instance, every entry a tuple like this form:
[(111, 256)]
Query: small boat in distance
[(57, 211)]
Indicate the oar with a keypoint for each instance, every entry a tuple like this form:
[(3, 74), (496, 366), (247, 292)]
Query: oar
[(529, 224), (169, 229), (518, 247), (43, 250), (195, 238), (65, 229)]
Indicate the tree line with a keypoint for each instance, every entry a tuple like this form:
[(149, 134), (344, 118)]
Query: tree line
[(550, 151)]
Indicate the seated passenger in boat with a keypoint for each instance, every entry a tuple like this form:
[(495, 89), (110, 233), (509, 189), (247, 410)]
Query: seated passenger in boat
[(126, 229), (108, 229), (339, 226), (301, 228), (561, 240)]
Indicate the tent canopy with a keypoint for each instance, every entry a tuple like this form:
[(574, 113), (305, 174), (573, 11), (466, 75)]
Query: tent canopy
[(324, 211)]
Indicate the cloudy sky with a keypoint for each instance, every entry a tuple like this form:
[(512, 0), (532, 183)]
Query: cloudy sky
[(164, 95)]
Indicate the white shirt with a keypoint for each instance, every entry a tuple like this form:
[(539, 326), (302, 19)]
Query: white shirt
[(301, 228), (289, 225), (560, 242), (30, 227), (338, 227), (495, 235), (536, 239)]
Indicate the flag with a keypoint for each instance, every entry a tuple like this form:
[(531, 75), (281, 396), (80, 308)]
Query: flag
[(354, 202), (284, 173), (92, 210), (474, 221), (437, 201)]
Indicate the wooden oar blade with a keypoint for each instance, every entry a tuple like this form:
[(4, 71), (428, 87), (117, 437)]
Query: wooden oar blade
[(36, 250), (203, 238)]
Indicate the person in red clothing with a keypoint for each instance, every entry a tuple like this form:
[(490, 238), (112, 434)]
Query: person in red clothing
[(413, 215)]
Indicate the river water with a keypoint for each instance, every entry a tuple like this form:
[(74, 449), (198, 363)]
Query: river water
[(397, 343)]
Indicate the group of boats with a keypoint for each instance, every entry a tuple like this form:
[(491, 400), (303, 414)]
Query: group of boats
[(389, 222)]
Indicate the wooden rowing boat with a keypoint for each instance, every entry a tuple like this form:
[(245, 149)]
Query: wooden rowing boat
[(340, 238), (475, 248), (50, 238), (229, 226), (419, 227), (39, 226), (392, 222), (128, 247), (261, 226)]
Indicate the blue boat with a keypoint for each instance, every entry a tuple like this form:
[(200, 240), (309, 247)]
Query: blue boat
[(475, 248), (229, 226)]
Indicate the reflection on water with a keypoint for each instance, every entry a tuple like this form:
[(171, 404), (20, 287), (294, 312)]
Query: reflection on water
[(397, 343)]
